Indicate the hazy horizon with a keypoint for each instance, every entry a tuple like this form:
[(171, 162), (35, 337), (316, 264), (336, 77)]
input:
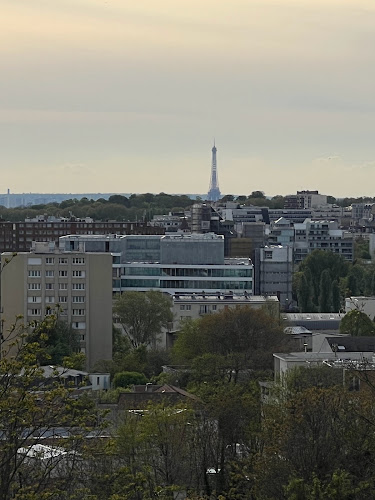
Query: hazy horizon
[(106, 96)]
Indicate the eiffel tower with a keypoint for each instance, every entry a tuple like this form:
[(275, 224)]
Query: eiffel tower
[(214, 191)]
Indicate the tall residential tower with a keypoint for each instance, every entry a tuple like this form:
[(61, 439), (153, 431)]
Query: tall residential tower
[(214, 191)]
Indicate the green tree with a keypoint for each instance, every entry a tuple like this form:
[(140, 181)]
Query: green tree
[(357, 324), (243, 337), (125, 379), (336, 297), (143, 315), (31, 408), (325, 295), (304, 294), (257, 194)]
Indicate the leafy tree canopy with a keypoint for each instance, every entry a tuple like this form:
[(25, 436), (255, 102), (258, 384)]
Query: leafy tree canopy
[(357, 324), (143, 315), (240, 337)]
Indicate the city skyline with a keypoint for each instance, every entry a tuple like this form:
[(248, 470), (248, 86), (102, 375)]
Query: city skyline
[(107, 97)]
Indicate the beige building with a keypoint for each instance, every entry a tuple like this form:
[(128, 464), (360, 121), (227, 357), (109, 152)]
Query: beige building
[(34, 283), (188, 307)]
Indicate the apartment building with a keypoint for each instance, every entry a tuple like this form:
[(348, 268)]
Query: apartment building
[(34, 283), (321, 235), (18, 236)]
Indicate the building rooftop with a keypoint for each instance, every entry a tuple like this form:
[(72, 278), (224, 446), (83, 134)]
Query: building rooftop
[(229, 297)]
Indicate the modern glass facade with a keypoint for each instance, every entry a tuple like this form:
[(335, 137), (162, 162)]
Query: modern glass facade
[(169, 278)]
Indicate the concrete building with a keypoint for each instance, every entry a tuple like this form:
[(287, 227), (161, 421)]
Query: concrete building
[(190, 306), (196, 305), (172, 263), (34, 283), (281, 232), (321, 235), (273, 266)]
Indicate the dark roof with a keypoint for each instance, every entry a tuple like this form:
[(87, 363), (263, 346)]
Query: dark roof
[(172, 388), (352, 344)]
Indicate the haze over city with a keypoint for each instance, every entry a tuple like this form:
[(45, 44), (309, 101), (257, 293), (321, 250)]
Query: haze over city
[(113, 96)]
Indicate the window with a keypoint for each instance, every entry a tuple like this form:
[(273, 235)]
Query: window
[(34, 286), (78, 260), (63, 260), (34, 261), (188, 307), (214, 307), (268, 254), (34, 312), (78, 274), (34, 274), (63, 298), (79, 325), (50, 274), (78, 312), (63, 286), (63, 274), (78, 298), (36, 300), (50, 300), (50, 260), (78, 286), (50, 286), (182, 308)]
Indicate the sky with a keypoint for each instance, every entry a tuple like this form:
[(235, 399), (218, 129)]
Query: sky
[(128, 96)]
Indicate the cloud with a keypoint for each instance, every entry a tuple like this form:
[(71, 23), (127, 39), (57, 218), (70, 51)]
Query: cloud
[(76, 169), (366, 165), (334, 158)]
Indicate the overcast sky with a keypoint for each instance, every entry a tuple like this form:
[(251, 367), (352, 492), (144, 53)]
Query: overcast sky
[(127, 95)]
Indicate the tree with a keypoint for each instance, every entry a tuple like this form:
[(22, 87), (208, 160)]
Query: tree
[(304, 293), (243, 337), (325, 295), (142, 315), (125, 379), (311, 436), (61, 341), (257, 194), (31, 409), (336, 297), (357, 324)]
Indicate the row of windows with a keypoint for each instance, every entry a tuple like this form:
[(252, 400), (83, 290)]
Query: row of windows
[(193, 284), (36, 273), (51, 299), (37, 261), (51, 286), (244, 272), (38, 312)]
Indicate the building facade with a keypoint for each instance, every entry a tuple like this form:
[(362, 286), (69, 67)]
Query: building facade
[(78, 285), (18, 236), (274, 273)]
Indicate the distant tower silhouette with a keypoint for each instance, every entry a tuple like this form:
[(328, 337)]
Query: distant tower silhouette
[(214, 191)]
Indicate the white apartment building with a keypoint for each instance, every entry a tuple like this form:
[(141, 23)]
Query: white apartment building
[(34, 283), (321, 235)]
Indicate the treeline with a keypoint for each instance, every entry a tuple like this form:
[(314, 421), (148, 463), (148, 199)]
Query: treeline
[(117, 207), (325, 279), (309, 437)]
